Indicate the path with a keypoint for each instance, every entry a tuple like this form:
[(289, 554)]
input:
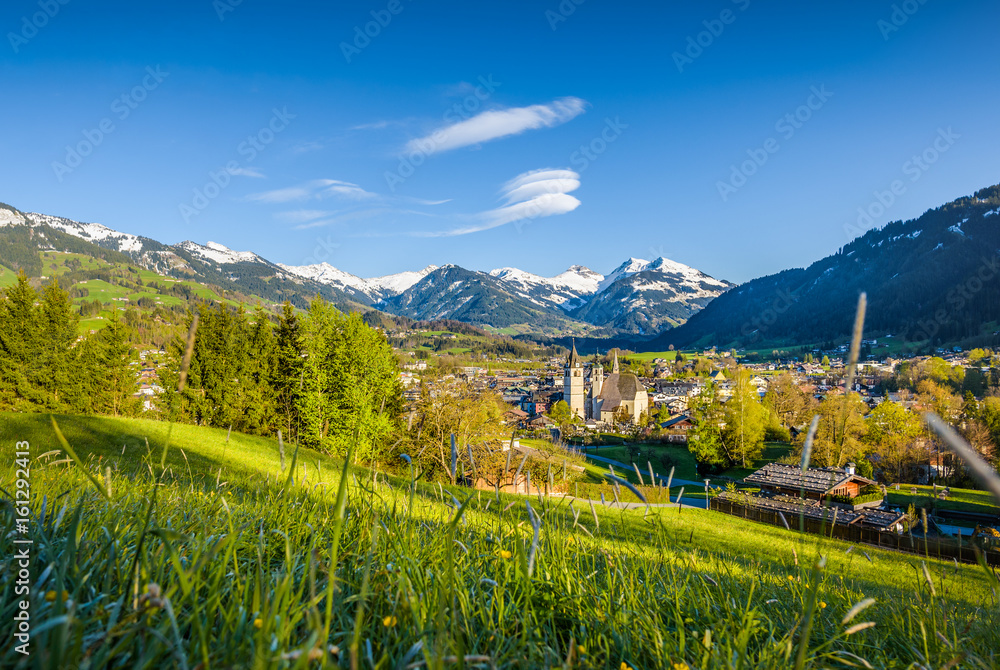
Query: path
[(695, 503), (628, 468)]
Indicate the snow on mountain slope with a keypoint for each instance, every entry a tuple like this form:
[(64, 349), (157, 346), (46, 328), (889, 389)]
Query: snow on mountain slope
[(376, 288), (566, 290), (395, 284), (91, 232), (217, 253)]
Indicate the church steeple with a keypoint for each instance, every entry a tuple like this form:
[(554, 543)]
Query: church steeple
[(574, 358), (614, 366)]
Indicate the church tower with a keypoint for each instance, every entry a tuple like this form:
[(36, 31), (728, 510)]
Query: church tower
[(573, 384), (596, 385)]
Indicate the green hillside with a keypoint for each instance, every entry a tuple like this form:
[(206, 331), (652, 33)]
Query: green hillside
[(234, 566)]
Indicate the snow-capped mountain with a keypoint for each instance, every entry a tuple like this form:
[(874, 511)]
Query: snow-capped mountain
[(566, 291), (638, 297), (375, 288), (100, 235), (645, 297), (217, 253)]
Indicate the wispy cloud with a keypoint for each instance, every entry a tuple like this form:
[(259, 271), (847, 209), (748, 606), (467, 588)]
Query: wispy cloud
[(317, 189), (306, 147), (497, 123), (247, 172), (531, 195), (302, 215), (358, 215)]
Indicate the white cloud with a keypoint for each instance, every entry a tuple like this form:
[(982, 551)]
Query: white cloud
[(494, 124), (531, 195), (317, 189), (247, 172)]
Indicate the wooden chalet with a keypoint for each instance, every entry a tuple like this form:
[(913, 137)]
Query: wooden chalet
[(791, 507), (815, 483)]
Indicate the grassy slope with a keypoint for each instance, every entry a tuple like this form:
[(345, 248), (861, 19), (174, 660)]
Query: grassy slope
[(958, 499), (238, 560), (7, 277)]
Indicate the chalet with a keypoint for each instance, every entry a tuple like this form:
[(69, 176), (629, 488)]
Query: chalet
[(679, 422), (815, 483)]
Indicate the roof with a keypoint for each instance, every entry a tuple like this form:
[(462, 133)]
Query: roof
[(816, 480), (864, 517), (618, 387), (674, 420), (574, 358)]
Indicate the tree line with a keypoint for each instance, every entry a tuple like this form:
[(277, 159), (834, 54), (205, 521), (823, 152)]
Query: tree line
[(46, 366), (322, 379)]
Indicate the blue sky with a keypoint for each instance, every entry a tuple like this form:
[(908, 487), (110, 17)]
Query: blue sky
[(538, 137)]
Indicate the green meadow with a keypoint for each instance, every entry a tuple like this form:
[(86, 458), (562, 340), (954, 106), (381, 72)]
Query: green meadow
[(220, 551)]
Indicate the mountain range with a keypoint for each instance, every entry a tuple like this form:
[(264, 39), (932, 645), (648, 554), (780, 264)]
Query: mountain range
[(930, 281), (638, 298)]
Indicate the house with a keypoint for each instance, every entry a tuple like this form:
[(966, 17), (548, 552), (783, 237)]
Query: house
[(814, 483), (679, 422)]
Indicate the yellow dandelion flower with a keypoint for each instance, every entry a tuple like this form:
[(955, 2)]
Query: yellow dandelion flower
[(582, 649), (504, 554), (257, 623), (822, 605), (389, 621), (681, 666)]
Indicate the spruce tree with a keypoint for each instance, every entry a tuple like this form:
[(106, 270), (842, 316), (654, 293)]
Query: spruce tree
[(56, 335), (115, 356), (287, 375)]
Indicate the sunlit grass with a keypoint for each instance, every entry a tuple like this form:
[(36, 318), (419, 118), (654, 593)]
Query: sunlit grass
[(235, 571)]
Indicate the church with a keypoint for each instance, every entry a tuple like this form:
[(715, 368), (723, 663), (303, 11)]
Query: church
[(606, 396)]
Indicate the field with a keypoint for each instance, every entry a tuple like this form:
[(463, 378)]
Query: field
[(684, 464), (7, 277), (222, 558), (958, 499)]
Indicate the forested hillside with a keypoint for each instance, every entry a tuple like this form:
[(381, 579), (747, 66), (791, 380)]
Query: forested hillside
[(930, 281)]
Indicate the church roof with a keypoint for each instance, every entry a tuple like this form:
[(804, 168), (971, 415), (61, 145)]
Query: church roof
[(618, 387), (574, 358)]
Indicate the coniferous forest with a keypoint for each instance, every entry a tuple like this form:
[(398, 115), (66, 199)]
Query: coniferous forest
[(318, 376)]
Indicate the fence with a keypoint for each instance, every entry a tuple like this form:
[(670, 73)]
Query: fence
[(937, 548)]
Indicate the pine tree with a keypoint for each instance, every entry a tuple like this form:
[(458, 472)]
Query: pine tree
[(18, 344), (116, 354), (57, 334), (287, 375)]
